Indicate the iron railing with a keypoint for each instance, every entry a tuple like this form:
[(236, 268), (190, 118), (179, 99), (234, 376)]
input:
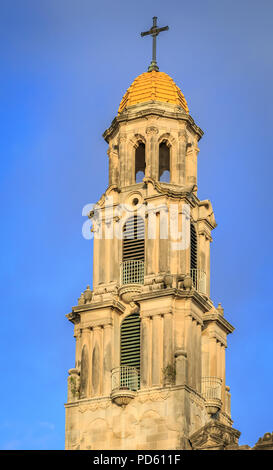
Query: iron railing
[(132, 272), (211, 388), (125, 378), (199, 280)]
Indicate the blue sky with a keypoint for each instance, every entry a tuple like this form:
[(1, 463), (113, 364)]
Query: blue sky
[(65, 66)]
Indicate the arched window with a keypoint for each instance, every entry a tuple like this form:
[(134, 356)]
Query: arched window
[(164, 162), (193, 257), (140, 162), (130, 352)]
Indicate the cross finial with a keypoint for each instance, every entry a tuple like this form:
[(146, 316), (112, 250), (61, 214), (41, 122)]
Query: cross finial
[(154, 31)]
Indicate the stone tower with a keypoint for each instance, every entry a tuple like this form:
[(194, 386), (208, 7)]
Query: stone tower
[(150, 345)]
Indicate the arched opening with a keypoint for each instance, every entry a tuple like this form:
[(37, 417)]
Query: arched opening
[(164, 162), (130, 352), (140, 162), (193, 255), (133, 251)]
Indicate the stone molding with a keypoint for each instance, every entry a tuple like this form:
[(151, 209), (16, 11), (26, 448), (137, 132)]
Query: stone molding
[(148, 109), (216, 317)]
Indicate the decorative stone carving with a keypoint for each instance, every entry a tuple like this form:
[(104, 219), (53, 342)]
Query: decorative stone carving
[(265, 442), (215, 436), (81, 299), (152, 130), (128, 292), (73, 385), (187, 282), (87, 295), (122, 397)]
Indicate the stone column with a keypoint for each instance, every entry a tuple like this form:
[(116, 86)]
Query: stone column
[(107, 359), (77, 336), (163, 240), (181, 367), (168, 340), (85, 364), (151, 153), (113, 167), (122, 159), (181, 158), (156, 349), (145, 352), (188, 344), (198, 359), (150, 241), (96, 361)]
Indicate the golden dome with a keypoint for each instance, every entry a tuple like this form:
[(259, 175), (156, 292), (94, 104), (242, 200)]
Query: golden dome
[(153, 86)]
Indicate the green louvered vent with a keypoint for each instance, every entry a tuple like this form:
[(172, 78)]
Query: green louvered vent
[(133, 241), (130, 342), (193, 248), (194, 272)]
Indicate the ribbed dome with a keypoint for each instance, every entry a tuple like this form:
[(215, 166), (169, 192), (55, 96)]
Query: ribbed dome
[(153, 86)]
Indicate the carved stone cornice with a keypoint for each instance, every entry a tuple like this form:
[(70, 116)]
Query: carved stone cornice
[(113, 304), (151, 110), (214, 316), (167, 190)]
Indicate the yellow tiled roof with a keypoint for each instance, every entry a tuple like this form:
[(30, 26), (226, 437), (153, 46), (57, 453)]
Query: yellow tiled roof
[(153, 86)]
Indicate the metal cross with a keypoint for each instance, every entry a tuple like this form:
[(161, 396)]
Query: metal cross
[(154, 31)]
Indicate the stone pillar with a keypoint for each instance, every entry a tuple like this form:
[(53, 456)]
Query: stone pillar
[(163, 261), (113, 167), (77, 336), (198, 359), (156, 349), (181, 367), (188, 345), (107, 359), (85, 364), (150, 241), (145, 352), (151, 153), (181, 158), (96, 361), (122, 160), (213, 357), (168, 339)]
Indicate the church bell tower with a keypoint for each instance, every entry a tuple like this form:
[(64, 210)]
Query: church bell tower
[(150, 344)]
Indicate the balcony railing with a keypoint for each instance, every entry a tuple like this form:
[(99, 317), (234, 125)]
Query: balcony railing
[(132, 272), (211, 388), (199, 279), (125, 378)]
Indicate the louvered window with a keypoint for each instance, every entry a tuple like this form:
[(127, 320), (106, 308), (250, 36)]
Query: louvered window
[(193, 248), (130, 344), (194, 271), (133, 239)]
